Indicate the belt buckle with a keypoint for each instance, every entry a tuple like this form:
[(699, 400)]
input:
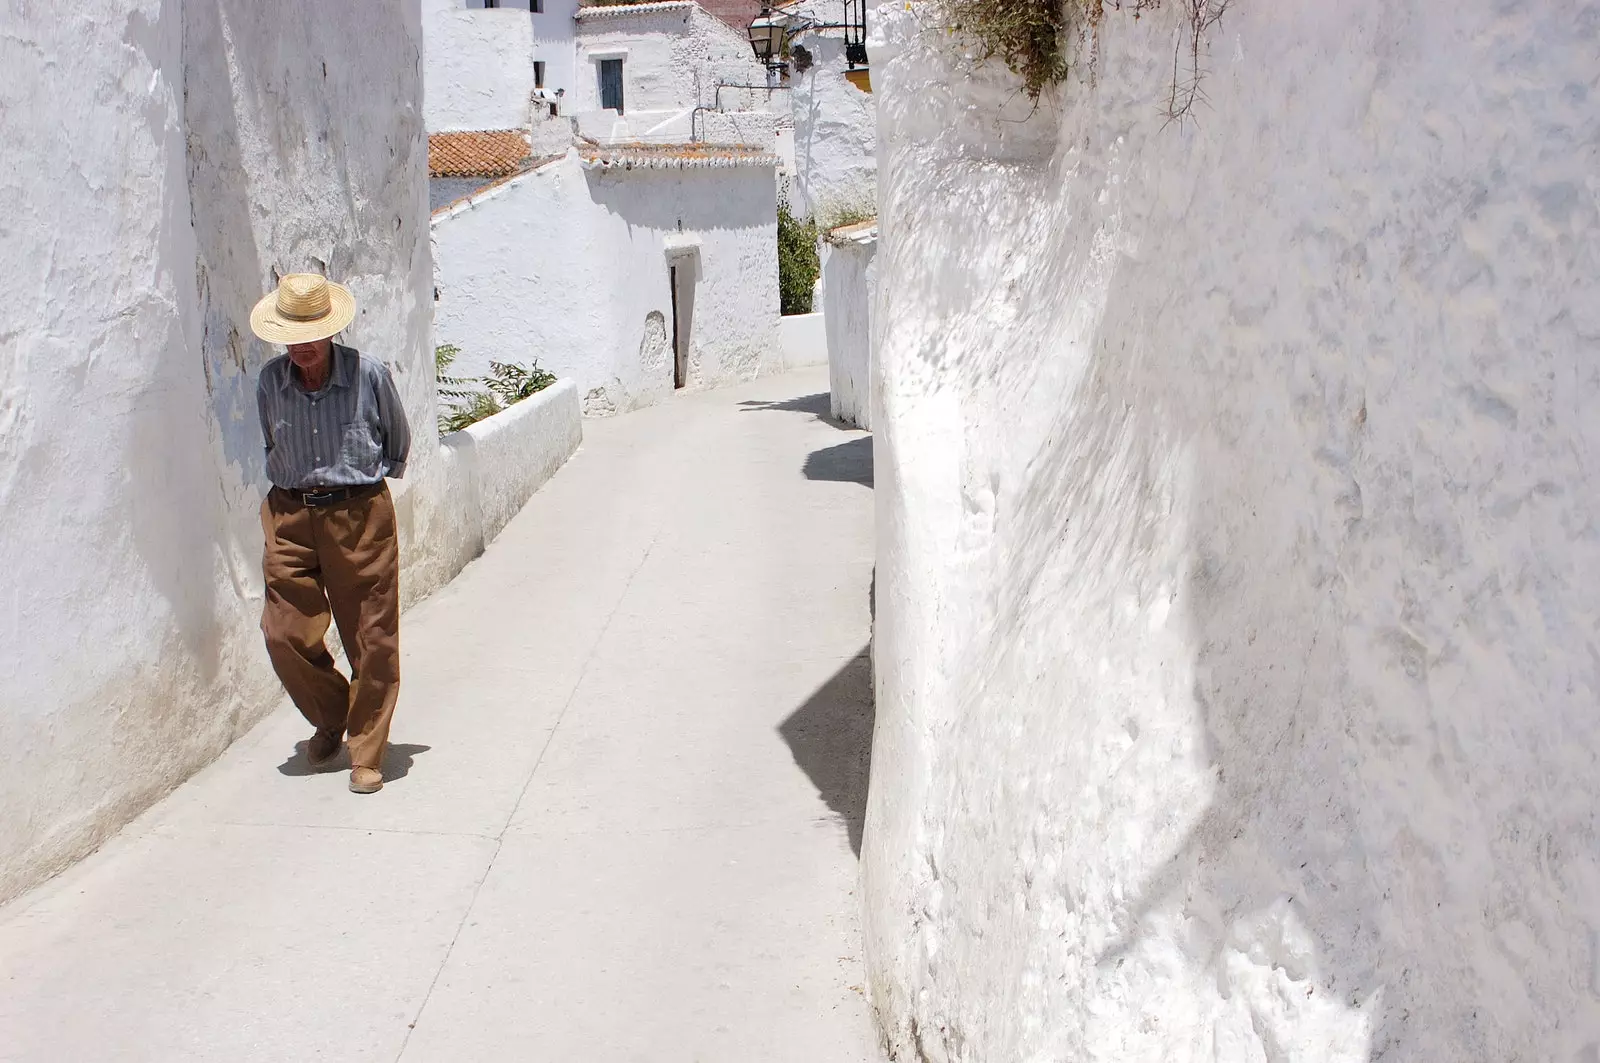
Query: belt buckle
[(317, 499)]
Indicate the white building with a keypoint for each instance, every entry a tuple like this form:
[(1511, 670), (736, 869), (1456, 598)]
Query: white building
[(486, 66), (653, 73), (631, 270), (629, 243)]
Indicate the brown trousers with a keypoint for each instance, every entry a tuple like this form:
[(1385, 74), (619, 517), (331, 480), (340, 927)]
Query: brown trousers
[(345, 557)]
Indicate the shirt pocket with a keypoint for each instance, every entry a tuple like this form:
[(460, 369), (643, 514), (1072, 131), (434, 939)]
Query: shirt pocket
[(359, 449)]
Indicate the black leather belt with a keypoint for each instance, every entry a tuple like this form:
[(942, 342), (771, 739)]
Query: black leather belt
[(317, 497)]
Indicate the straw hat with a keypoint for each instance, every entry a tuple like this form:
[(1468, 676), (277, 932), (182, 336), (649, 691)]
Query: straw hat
[(305, 307)]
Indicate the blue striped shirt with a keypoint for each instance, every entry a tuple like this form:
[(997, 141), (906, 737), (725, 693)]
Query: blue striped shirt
[(352, 432)]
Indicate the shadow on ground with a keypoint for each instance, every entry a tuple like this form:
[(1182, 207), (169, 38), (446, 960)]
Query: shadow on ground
[(819, 406), (846, 463), (396, 763), (830, 737)]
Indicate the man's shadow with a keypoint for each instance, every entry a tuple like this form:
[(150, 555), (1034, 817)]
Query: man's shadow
[(396, 762)]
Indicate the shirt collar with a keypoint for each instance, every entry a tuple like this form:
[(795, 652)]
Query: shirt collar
[(341, 376)]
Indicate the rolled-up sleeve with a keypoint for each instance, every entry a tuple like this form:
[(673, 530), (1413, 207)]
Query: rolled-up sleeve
[(392, 421)]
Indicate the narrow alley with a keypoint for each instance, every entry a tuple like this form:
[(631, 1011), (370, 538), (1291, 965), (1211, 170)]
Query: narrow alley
[(627, 780)]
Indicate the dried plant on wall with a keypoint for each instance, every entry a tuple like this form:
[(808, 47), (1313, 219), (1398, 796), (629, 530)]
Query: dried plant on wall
[(1036, 38)]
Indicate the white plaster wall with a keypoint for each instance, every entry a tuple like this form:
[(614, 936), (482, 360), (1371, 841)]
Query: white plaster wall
[(804, 338), (1236, 636), (504, 459), (176, 153), (835, 135), (479, 64), (673, 56), (848, 279), (568, 267), (554, 32)]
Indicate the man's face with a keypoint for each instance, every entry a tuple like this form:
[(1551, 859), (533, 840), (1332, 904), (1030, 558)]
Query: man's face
[(310, 355)]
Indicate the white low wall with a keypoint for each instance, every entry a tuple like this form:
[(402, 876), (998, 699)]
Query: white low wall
[(804, 338), (501, 461), (1238, 632), (848, 275), (570, 268)]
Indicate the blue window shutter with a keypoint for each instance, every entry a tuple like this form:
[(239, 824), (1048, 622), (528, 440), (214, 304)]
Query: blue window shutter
[(611, 84)]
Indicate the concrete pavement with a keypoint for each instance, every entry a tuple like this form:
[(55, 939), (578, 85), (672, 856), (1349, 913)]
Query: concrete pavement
[(628, 770)]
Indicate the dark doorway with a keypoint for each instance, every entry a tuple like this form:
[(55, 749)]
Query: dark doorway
[(681, 278)]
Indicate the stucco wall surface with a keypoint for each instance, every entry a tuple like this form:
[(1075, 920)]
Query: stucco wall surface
[(804, 338), (1236, 638), (568, 267), (177, 154), (835, 133), (504, 459), (848, 275), (673, 56), (479, 65)]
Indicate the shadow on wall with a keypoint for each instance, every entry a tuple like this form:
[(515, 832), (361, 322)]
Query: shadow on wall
[(688, 200), (830, 737)]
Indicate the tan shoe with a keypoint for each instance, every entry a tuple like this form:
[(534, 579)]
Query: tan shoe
[(366, 780), (323, 747)]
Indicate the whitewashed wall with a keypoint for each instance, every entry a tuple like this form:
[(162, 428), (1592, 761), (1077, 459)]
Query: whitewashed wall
[(848, 277), (479, 63), (835, 135), (142, 229), (1237, 639), (673, 56), (568, 267)]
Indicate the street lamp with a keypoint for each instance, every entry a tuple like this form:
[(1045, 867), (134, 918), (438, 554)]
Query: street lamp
[(771, 30), (767, 33)]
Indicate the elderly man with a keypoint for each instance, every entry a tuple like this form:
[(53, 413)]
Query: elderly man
[(334, 428)]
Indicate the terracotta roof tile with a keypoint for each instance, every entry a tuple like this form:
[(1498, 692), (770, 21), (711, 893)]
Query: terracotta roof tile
[(674, 156), (494, 153)]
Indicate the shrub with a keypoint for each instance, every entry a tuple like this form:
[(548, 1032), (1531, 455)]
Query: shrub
[(798, 262), (1030, 36), (469, 402)]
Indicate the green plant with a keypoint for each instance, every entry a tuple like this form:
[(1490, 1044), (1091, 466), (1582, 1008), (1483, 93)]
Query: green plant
[(798, 262), (513, 383), (450, 387), (470, 402), (481, 406), (1029, 36)]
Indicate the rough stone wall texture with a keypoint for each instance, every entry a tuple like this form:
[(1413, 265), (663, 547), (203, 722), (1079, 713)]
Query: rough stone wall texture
[(167, 158), (835, 136), (672, 62), (479, 65), (568, 267), (1236, 636)]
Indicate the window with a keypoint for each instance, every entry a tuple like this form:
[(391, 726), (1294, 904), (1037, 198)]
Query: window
[(536, 6), (538, 73), (491, 3), (611, 84)]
